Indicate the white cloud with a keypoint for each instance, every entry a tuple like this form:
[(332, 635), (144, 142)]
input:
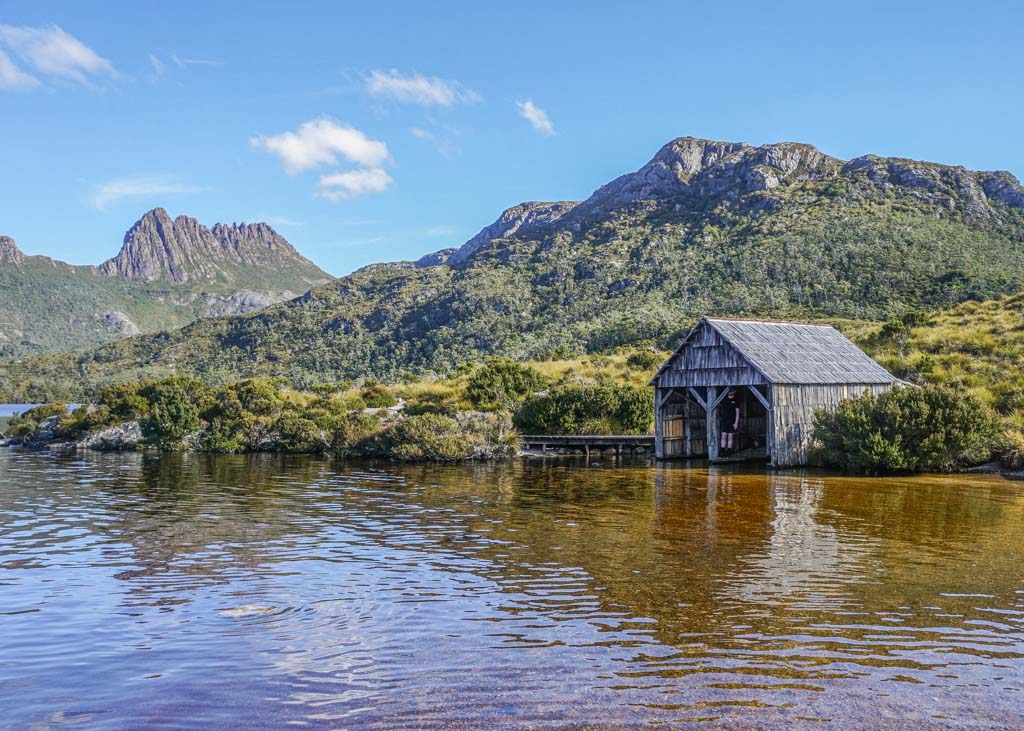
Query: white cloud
[(419, 89), (118, 189), (536, 117), (340, 186), (53, 52), (11, 77), (158, 65), (322, 142)]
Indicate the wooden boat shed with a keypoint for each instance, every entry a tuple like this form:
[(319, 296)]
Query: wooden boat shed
[(783, 372)]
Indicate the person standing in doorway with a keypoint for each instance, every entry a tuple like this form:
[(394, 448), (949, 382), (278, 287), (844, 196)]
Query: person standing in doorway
[(730, 418)]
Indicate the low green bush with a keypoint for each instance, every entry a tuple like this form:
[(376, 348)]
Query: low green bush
[(575, 409), (26, 422), (929, 429), (376, 395), (502, 384), (645, 360)]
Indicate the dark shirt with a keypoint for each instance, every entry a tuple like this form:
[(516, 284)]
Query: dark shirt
[(727, 412)]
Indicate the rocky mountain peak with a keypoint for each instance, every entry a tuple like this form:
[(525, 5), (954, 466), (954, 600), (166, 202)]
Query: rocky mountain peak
[(183, 250), (511, 221), (9, 251)]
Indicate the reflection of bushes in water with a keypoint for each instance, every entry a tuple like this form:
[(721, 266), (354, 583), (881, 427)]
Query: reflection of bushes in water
[(926, 510)]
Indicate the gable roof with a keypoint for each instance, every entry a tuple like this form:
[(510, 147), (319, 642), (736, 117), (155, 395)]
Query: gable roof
[(789, 352)]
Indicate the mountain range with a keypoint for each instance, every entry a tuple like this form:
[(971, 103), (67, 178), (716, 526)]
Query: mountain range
[(781, 230), (168, 273)]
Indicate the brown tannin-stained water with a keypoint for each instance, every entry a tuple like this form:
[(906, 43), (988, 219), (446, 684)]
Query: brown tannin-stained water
[(191, 591)]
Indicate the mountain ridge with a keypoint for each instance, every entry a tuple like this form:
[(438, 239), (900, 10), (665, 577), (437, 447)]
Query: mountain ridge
[(692, 167), (166, 274)]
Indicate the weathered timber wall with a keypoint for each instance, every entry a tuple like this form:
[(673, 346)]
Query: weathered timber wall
[(793, 409)]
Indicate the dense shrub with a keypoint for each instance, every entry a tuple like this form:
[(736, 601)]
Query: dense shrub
[(174, 407), (376, 395), (645, 360), (577, 409), (428, 436), (906, 429), (502, 384)]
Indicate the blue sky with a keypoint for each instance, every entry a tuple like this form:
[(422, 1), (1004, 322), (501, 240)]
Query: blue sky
[(381, 131)]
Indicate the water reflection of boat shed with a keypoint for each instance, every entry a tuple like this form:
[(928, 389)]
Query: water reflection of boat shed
[(783, 372)]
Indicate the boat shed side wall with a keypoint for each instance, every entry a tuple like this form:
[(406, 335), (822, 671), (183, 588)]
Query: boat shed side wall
[(792, 414)]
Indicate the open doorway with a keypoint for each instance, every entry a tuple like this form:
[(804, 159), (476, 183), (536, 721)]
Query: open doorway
[(753, 433)]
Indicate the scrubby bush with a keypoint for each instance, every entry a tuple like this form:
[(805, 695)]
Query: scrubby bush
[(645, 360), (174, 407), (502, 384), (931, 429), (26, 423), (123, 400), (376, 395), (296, 433), (428, 436), (573, 408), (352, 429), (1010, 447)]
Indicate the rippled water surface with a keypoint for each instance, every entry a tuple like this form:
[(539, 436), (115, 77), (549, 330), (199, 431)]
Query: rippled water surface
[(195, 591)]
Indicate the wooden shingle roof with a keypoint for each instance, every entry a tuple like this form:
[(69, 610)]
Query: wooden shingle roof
[(789, 352)]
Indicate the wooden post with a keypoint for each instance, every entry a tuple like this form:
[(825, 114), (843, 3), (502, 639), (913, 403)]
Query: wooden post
[(659, 439), (688, 441), (713, 434)]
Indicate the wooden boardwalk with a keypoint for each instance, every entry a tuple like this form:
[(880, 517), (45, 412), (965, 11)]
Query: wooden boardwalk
[(621, 443)]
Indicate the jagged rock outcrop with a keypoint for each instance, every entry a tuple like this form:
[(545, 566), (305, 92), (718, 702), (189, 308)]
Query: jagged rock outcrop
[(126, 436), (241, 301), (515, 220), (118, 323), (183, 250), (9, 251)]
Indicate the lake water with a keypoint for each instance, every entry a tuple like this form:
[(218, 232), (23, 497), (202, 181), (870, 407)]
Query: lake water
[(191, 591)]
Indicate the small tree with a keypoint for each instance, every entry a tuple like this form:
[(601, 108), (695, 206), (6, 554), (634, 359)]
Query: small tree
[(174, 405), (501, 384)]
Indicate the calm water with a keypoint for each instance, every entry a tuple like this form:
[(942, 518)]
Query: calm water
[(193, 591)]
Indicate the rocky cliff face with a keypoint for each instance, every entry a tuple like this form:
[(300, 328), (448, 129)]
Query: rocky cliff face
[(183, 250), (9, 252)]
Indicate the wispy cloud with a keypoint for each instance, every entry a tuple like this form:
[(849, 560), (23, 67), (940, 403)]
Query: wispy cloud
[(442, 144), (13, 78), (341, 186), (112, 191), (322, 142), (158, 66), (184, 62), (51, 52), (419, 89), (537, 117)]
